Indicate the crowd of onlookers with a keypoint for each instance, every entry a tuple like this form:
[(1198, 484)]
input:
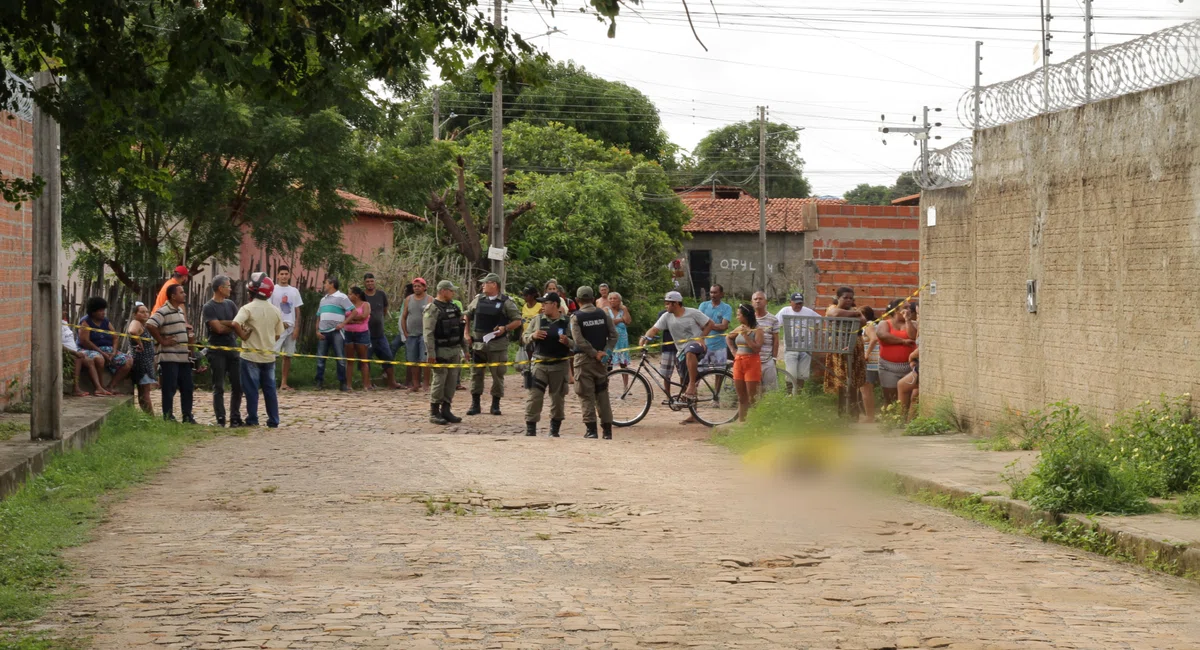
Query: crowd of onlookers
[(159, 347)]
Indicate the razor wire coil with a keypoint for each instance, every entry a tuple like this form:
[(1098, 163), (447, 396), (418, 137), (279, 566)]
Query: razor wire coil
[(948, 167), (1153, 60)]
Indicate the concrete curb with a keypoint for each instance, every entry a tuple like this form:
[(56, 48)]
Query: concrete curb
[(40, 452), (1145, 549)]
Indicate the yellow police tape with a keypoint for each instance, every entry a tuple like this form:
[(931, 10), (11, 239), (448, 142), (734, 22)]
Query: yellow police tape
[(416, 364)]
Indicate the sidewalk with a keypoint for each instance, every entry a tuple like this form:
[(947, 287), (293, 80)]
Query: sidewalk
[(953, 465), (22, 458)]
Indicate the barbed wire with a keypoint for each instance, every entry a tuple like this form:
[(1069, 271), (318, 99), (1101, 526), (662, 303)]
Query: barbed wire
[(20, 102), (948, 167), (1153, 60)]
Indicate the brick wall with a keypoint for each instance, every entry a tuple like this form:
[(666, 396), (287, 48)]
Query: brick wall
[(1101, 206), (16, 256), (873, 248)]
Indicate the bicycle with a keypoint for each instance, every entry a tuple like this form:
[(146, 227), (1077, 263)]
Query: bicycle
[(715, 402)]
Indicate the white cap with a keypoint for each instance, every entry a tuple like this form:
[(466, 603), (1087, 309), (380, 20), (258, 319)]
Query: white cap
[(673, 296)]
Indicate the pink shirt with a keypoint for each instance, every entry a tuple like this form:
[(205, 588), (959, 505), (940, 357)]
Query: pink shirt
[(360, 326)]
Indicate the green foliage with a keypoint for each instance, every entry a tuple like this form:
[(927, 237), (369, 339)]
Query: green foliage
[(733, 150), (1158, 446), (1076, 471), (891, 417), (927, 426), (866, 194), (905, 185), (1190, 504), (10, 428), (778, 416), (57, 509), (565, 93)]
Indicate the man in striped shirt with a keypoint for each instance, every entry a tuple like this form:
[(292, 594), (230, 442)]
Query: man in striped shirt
[(331, 317), (173, 335)]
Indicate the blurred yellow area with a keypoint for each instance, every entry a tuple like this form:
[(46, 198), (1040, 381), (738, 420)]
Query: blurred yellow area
[(808, 454)]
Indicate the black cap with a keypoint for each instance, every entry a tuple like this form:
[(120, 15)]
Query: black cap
[(550, 297)]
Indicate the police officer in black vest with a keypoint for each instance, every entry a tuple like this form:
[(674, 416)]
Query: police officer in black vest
[(550, 334), (443, 328), (594, 335), (493, 314)]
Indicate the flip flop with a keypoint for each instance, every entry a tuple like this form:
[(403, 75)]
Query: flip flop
[(286, 388)]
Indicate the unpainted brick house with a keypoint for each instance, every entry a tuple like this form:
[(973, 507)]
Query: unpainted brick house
[(16, 256), (815, 245)]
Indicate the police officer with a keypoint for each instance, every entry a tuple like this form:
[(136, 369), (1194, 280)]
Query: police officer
[(442, 325), (594, 335), (491, 312), (550, 334)]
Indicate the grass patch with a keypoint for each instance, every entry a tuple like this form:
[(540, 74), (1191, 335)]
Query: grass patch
[(10, 428), (1189, 505), (927, 426), (891, 417), (58, 509), (40, 641), (778, 416)]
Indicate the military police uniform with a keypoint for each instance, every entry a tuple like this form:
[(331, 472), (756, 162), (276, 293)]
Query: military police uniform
[(443, 329), (486, 314), (592, 331), (549, 368)]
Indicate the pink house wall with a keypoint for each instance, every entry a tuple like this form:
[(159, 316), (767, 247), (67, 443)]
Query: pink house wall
[(364, 238)]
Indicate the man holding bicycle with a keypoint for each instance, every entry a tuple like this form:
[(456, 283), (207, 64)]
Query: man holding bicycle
[(688, 327)]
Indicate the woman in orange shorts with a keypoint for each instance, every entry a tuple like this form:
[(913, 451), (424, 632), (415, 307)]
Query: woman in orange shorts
[(745, 341)]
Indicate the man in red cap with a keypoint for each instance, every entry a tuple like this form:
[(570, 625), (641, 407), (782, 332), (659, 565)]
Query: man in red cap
[(179, 276)]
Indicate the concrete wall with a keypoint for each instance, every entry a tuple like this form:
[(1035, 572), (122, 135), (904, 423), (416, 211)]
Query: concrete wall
[(737, 261), (1098, 205), (16, 258)]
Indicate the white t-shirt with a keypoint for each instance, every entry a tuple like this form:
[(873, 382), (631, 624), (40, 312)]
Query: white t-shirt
[(68, 338), (801, 338), (687, 326), (287, 300)]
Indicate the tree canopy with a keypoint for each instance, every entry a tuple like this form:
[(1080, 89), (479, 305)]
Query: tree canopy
[(867, 194), (731, 153)]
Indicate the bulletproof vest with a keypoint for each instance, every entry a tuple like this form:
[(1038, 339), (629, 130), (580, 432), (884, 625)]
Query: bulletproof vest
[(489, 313), (449, 329), (593, 324), (550, 347)]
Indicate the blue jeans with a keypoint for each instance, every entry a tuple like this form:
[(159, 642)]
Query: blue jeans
[(381, 349), (255, 376), (333, 342)]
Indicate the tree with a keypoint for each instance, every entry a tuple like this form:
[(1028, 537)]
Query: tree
[(729, 155), (866, 194), (905, 185), (179, 186), (564, 93)]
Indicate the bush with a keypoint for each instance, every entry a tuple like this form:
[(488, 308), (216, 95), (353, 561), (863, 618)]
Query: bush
[(927, 426), (891, 417), (944, 412), (1158, 445), (1077, 471), (1190, 504)]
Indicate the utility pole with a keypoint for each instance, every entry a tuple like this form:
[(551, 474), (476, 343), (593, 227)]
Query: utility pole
[(921, 136), (437, 114), (496, 239), (762, 189), (1087, 50), (1046, 36), (978, 80), (924, 140), (46, 370)]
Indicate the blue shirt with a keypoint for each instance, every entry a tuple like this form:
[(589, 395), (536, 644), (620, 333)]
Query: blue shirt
[(718, 313)]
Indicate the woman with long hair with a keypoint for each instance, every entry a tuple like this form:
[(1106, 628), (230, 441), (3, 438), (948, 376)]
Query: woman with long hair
[(141, 347), (745, 342), (358, 337)]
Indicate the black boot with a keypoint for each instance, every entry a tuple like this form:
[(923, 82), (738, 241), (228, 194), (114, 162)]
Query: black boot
[(591, 430), (607, 428), (221, 422), (495, 405), (448, 416), (236, 422), (531, 428), (435, 414), (554, 426), (475, 408), (187, 419)]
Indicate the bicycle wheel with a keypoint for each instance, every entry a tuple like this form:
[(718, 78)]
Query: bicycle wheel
[(716, 398), (629, 394)]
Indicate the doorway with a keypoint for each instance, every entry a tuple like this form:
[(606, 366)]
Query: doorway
[(700, 265)]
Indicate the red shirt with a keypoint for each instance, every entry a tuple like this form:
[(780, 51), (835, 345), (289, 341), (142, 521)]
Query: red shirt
[(892, 352)]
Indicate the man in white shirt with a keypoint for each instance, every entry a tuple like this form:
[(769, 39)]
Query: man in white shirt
[(287, 300), (797, 364)]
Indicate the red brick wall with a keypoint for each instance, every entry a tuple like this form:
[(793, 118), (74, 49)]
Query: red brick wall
[(873, 248), (16, 256)]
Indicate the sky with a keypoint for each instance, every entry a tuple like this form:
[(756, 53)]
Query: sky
[(833, 67)]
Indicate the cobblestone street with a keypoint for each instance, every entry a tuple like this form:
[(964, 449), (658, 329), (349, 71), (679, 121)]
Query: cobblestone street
[(358, 524)]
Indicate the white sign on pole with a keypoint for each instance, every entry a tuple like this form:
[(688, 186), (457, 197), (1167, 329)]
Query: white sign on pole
[(498, 254)]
